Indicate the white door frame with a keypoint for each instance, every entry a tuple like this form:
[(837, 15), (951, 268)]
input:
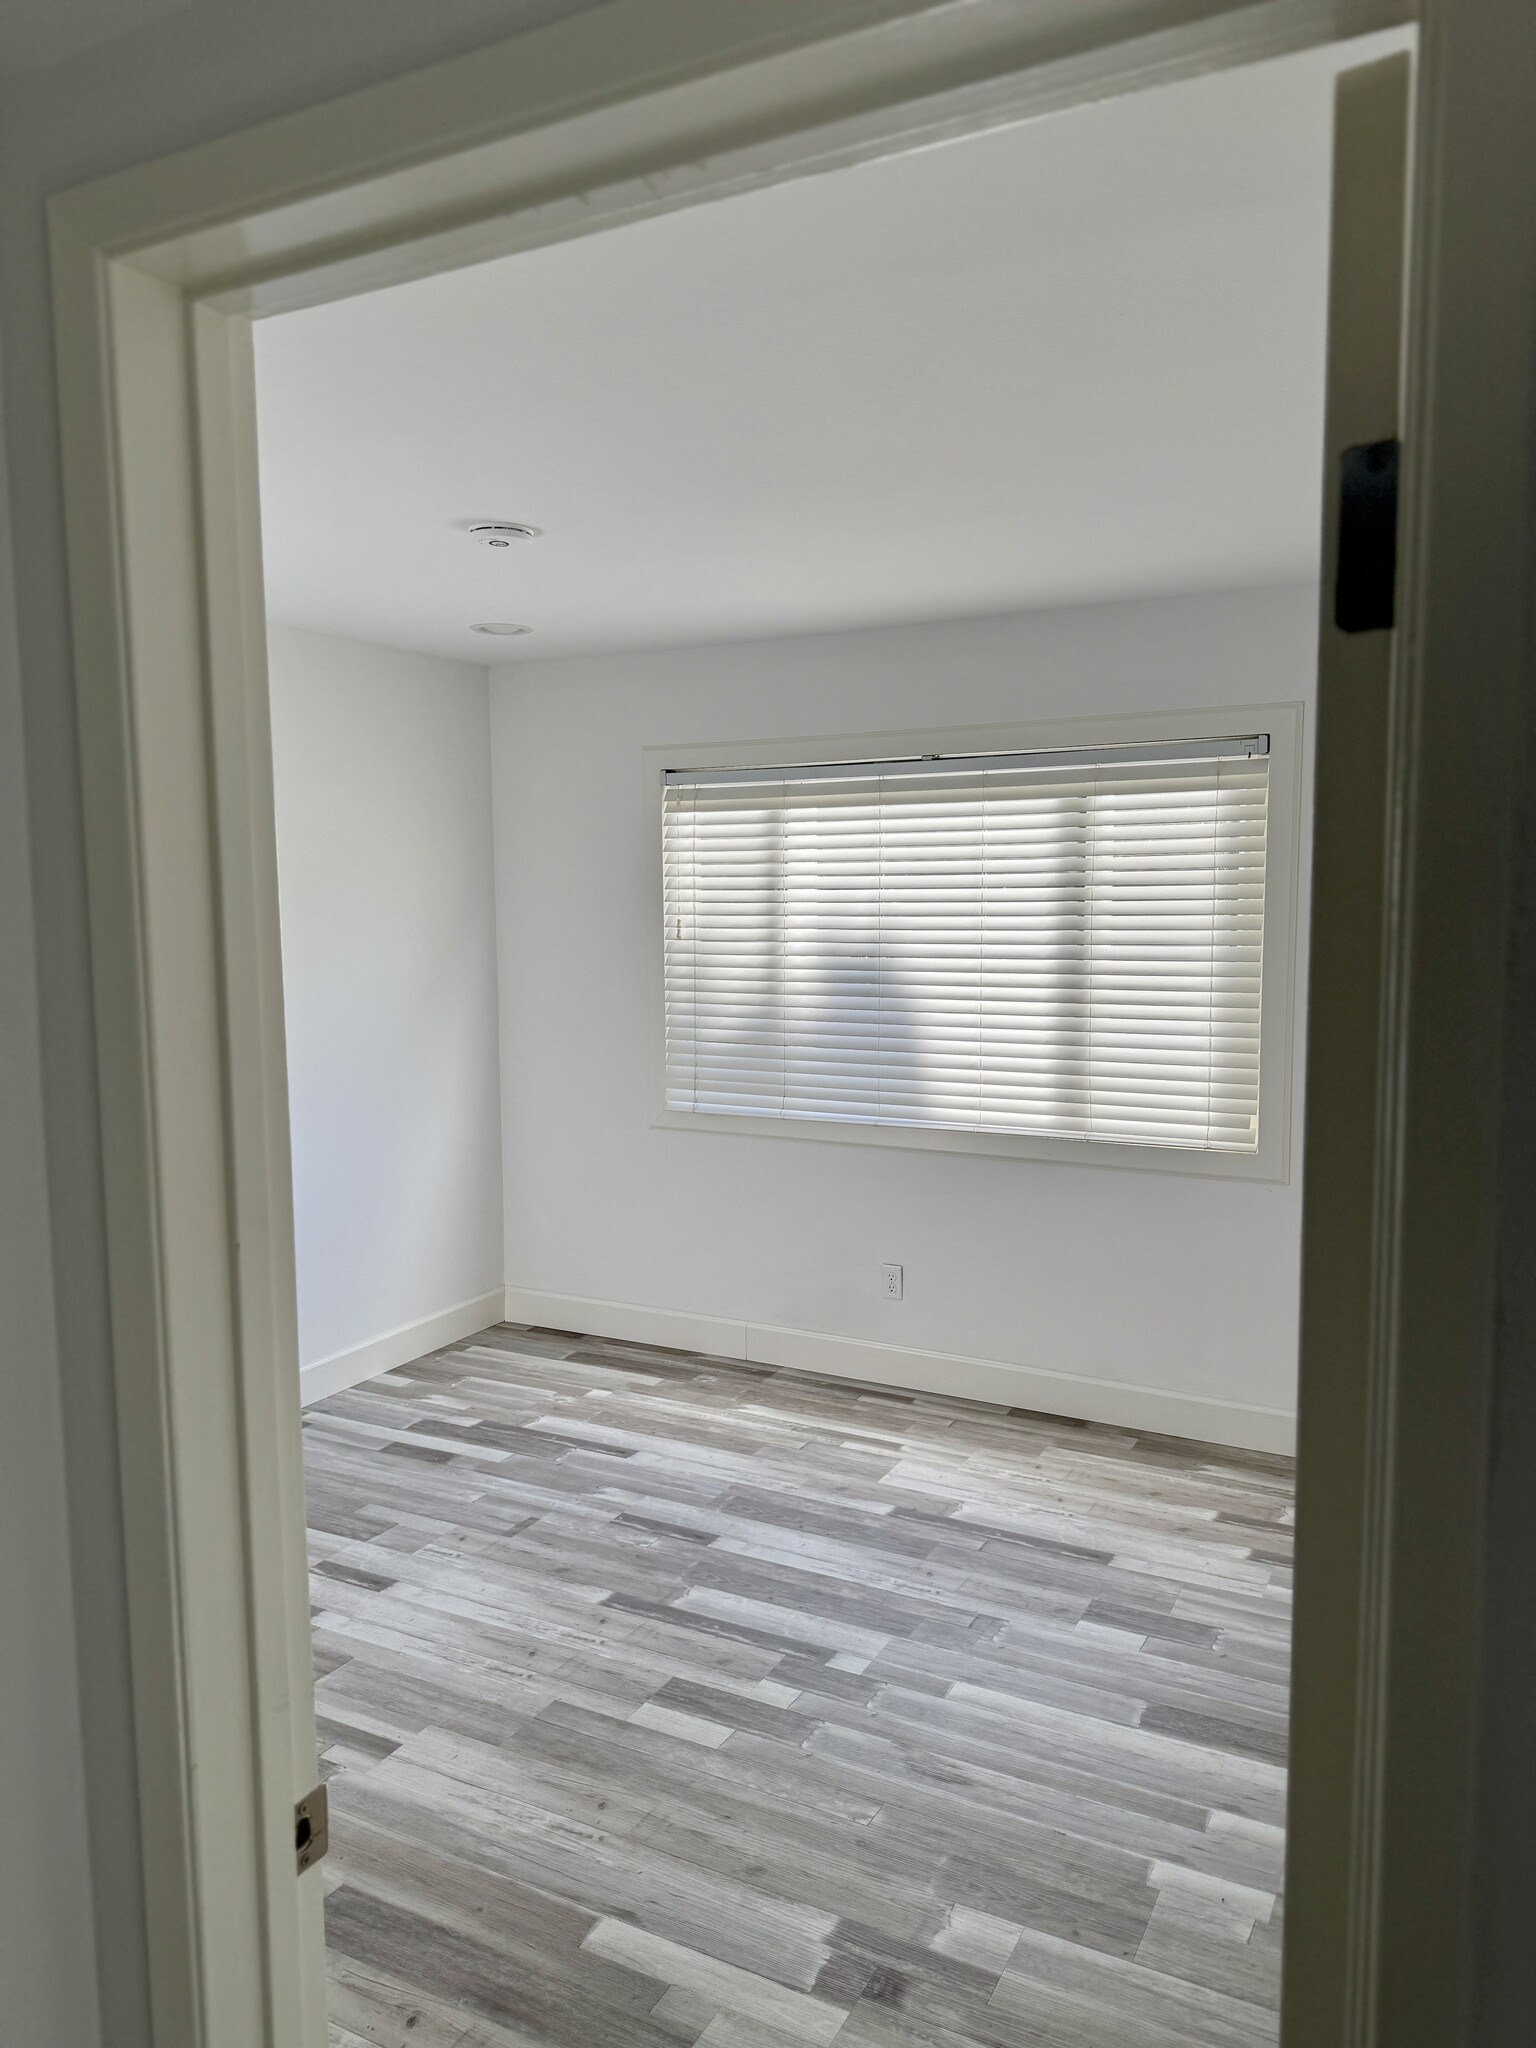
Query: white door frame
[(631, 108)]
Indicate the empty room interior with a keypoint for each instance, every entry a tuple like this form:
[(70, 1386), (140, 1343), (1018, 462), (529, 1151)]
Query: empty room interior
[(792, 724)]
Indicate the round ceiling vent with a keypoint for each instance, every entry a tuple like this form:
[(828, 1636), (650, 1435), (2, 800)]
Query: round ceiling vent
[(503, 533), (495, 626)]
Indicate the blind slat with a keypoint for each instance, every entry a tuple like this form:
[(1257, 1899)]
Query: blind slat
[(1014, 947)]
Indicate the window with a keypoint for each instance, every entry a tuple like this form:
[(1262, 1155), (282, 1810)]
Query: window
[(1066, 945)]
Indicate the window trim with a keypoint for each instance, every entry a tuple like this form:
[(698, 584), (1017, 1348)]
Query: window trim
[(1270, 1161)]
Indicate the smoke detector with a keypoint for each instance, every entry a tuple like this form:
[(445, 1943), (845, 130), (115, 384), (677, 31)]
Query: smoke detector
[(502, 533), (494, 626)]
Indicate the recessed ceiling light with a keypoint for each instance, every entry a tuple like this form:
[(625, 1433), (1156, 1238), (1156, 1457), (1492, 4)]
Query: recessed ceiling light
[(502, 533), (493, 626)]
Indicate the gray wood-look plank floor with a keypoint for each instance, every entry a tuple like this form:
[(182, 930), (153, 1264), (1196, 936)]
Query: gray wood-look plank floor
[(667, 1700)]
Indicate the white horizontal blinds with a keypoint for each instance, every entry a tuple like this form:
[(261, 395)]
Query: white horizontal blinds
[(1065, 950), (1175, 953), (932, 875), (724, 860)]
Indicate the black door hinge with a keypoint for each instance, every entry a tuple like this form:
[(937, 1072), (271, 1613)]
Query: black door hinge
[(1365, 590)]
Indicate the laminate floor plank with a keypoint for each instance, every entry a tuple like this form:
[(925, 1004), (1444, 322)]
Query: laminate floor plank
[(671, 1702)]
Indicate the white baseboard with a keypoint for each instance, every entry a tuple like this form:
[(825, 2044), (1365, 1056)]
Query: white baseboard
[(345, 1369), (717, 1335), (1236, 1424)]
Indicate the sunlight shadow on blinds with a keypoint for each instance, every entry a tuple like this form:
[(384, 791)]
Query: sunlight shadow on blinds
[(1067, 950)]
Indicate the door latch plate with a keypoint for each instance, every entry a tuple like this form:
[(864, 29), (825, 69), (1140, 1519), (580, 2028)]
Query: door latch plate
[(311, 1828)]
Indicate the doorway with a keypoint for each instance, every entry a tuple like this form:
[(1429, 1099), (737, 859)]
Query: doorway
[(940, 446)]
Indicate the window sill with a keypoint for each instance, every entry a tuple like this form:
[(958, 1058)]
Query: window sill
[(1269, 1162)]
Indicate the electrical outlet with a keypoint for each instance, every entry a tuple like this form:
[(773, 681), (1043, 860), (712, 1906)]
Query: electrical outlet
[(892, 1282)]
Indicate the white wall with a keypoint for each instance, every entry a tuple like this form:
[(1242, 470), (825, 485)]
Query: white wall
[(1166, 1281), (381, 769)]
